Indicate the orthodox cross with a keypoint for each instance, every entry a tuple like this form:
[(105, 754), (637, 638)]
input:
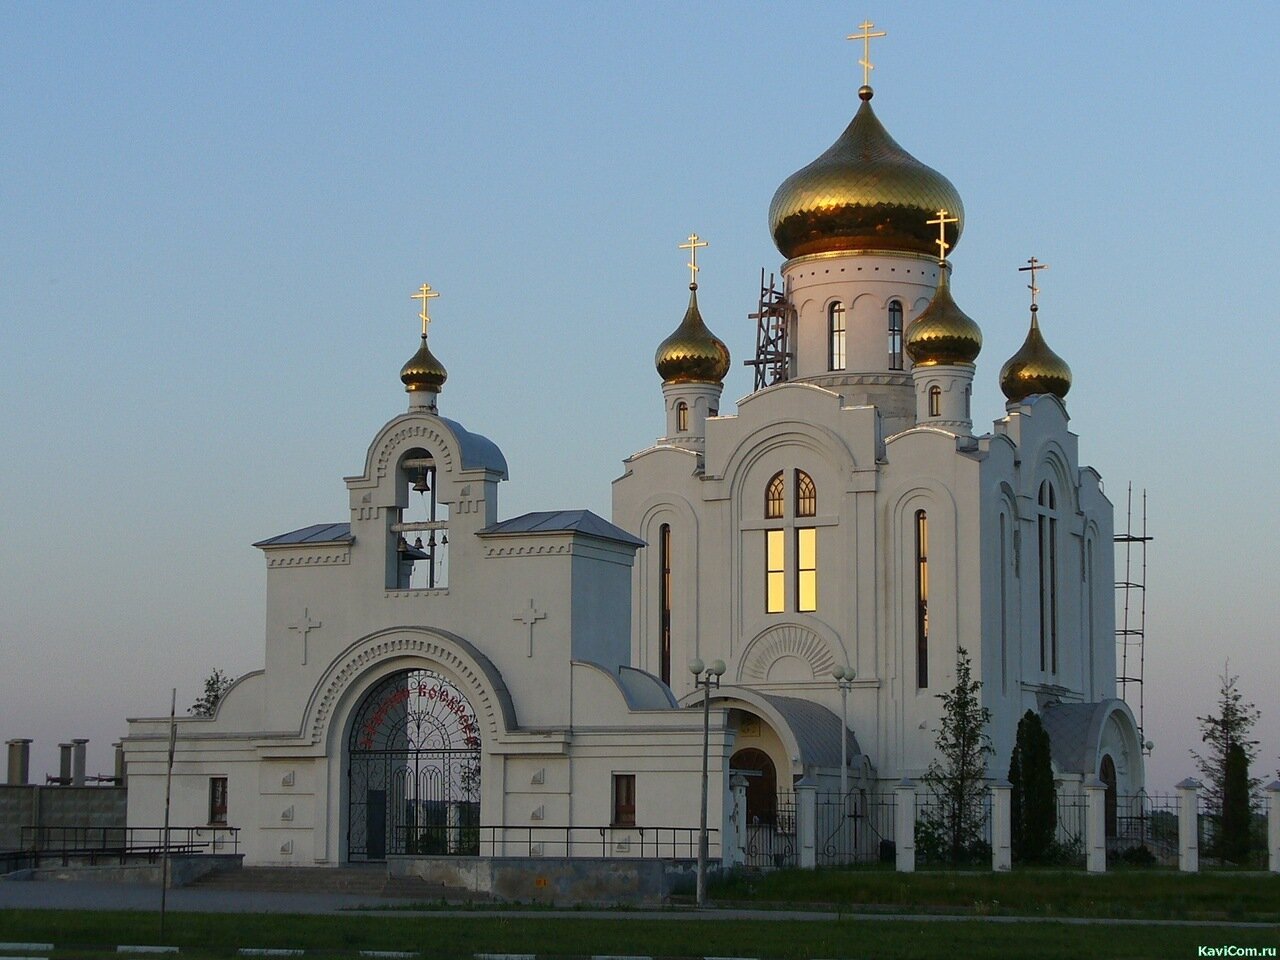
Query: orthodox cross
[(529, 618), (866, 36), (1033, 265), (305, 625), (692, 245), (942, 222), (426, 294)]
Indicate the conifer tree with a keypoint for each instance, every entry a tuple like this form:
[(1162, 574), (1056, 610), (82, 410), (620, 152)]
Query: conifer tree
[(1231, 725), (956, 778), (1234, 824), (1034, 797)]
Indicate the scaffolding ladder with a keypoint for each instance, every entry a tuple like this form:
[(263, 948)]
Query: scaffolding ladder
[(772, 361), (1131, 598)]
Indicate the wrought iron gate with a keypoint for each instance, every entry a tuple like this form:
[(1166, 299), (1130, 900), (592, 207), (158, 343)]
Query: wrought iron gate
[(413, 770)]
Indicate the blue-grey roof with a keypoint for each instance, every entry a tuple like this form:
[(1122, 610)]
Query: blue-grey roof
[(1074, 731), (816, 729), (562, 521), (316, 533), (477, 452)]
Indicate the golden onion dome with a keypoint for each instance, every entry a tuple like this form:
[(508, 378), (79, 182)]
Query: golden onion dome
[(1035, 368), (423, 371), (692, 354), (943, 333), (864, 193)]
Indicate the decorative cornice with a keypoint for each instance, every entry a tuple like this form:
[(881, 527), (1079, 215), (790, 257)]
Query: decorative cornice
[(340, 558), (529, 550)]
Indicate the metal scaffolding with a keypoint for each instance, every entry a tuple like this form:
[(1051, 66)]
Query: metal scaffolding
[(1131, 598), (773, 359)]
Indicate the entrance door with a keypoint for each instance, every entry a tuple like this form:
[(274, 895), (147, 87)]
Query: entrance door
[(1107, 774), (413, 770), (762, 785)]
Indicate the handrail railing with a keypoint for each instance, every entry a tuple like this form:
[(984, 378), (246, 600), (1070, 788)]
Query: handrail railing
[(121, 844)]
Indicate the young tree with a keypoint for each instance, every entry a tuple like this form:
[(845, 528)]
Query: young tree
[(215, 685), (1225, 765), (956, 778), (1034, 798)]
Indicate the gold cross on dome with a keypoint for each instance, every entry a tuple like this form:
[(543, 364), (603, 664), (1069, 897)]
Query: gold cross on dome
[(692, 245), (942, 222), (1033, 265), (866, 36), (426, 294)]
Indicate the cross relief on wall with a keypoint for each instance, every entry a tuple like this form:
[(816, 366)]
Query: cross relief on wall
[(529, 617), (305, 625)]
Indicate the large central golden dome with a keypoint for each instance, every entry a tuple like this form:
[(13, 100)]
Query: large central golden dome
[(864, 193)]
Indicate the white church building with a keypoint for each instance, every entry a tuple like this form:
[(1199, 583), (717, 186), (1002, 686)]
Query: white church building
[(441, 681)]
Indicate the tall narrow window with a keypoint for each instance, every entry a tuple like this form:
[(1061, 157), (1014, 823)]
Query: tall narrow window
[(1047, 534), (836, 336), (1004, 607), (624, 800), (218, 801), (935, 401), (895, 335), (664, 593), (775, 576), (774, 499), (922, 600), (682, 416), (806, 495), (806, 569)]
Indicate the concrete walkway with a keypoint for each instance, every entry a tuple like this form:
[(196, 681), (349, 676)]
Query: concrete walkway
[(122, 896)]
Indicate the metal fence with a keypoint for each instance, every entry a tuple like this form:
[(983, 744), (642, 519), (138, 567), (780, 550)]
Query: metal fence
[(771, 840), (1145, 821), (93, 845), (538, 840), (934, 818), (855, 828)]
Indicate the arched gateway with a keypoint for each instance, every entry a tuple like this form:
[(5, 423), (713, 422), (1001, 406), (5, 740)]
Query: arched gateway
[(413, 769)]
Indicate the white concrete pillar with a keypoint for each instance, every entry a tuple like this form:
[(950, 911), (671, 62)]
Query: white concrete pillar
[(78, 762), (1273, 826), (807, 824), (1189, 825), (904, 825), (1001, 825), (19, 762), (735, 852), (1095, 825), (120, 767)]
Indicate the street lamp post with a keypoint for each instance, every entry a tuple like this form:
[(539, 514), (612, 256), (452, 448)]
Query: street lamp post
[(844, 680), (706, 677)]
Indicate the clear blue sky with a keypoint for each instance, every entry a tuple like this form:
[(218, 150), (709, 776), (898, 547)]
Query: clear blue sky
[(212, 217)]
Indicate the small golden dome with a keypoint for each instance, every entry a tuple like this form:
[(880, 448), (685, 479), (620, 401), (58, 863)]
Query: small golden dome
[(1035, 368), (943, 333), (692, 354), (423, 371), (864, 193)]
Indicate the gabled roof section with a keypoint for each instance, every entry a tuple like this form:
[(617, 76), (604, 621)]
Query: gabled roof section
[(582, 522), (316, 533)]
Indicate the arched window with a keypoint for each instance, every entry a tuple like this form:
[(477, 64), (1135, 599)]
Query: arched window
[(806, 495), (922, 600), (664, 602), (835, 336), (774, 499), (935, 401), (1047, 535), (895, 334), (682, 416)]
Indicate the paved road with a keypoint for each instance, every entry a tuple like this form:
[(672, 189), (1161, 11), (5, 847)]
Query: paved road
[(71, 895)]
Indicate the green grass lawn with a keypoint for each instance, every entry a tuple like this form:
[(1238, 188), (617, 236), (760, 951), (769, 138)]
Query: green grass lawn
[(1148, 894), (84, 933)]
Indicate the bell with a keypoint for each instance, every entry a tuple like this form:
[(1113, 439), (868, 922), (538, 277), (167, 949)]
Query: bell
[(421, 485), (444, 539), (418, 543)]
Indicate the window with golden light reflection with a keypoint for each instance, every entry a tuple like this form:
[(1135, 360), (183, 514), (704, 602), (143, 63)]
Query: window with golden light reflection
[(806, 569), (775, 577)]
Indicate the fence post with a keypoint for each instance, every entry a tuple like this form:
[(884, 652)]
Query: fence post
[(1189, 825), (1001, 825), (735, 838), (904, 825), (1095, 825), (807, 824), (1273, 826)]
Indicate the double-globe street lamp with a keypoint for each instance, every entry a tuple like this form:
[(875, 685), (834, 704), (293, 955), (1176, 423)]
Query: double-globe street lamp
[(844, 680), (705, 676)]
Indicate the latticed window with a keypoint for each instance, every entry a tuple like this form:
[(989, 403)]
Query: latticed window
[(935, 401), (806, 569), (775, 571), (806, 495), (835, 336), (774, 498), (682, 416), (895, 335)]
